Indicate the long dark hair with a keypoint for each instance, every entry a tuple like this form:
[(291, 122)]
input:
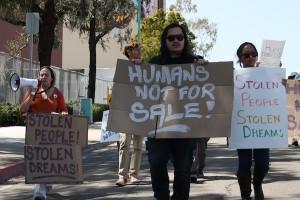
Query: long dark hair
[(164, 51), (239, 51)]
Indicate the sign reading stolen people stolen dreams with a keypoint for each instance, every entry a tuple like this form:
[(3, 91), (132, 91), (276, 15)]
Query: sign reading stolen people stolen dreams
[(293, 98), (259, 116), (53, 146), (172, 101)]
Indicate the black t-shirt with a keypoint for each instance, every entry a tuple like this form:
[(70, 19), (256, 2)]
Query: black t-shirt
[(185, 59)]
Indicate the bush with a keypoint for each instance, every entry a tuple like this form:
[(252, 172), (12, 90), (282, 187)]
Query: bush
[(71, 105), (98, 111), (10, 115)]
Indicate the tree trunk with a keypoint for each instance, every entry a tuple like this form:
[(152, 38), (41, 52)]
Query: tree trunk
[(48, 22), (92, 67)]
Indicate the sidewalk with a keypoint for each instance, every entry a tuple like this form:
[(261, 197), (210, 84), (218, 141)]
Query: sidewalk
[(220, 183), (100, 165), (12, 147)]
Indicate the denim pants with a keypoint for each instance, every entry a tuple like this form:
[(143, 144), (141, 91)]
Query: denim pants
[(159, 152), (261, 160)]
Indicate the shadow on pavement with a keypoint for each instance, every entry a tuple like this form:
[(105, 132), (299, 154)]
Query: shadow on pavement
[(100, 173)]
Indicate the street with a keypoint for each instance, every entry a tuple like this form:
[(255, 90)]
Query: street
[(100, 173)]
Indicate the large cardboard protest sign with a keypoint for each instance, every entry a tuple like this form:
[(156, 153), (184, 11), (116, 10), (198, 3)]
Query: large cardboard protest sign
[(42, 129), (293, 99), (172, 101), (53, 164), (259, 116), (53, 146)]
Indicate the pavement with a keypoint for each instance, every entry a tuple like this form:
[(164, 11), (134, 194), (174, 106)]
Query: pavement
[(100, 163), (12, 148)]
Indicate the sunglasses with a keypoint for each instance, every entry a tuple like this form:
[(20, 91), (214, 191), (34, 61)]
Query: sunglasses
[(247, 55), (179, 37)]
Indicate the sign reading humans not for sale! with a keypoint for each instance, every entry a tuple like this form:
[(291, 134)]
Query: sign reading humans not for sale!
[(172, 101)]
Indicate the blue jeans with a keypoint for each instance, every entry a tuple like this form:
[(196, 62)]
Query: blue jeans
[(261, 159), (159, 152)]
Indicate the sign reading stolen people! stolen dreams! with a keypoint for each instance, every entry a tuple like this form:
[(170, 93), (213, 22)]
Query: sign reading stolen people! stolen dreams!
[(259, 116), (53, 146), (172, 101)]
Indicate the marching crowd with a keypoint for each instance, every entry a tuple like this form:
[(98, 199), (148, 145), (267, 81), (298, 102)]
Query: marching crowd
[(187, 155)]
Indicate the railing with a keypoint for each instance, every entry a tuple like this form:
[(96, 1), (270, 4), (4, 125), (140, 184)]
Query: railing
[(72, 84)]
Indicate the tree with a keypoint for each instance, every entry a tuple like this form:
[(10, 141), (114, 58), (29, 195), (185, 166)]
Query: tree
[(153, 27), (16, 45), (206, 32), (50, 11), (97, 19)]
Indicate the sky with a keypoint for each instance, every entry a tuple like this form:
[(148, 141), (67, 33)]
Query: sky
[(253, 21)]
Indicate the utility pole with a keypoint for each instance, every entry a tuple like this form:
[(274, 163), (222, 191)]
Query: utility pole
[(32, 27)]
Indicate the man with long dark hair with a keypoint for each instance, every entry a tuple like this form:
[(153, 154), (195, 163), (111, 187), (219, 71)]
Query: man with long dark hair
[(175, 49)]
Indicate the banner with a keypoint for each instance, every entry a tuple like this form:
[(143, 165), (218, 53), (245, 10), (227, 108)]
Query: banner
[(53, 146), (293, 99), (105, 135), (259, 117), (172, 101)]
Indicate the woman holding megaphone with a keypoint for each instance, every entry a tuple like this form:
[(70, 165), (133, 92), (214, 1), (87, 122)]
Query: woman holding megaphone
[(46, 98)]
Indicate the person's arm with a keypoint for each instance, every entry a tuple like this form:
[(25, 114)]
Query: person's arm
[(62, 107), (27, 100)]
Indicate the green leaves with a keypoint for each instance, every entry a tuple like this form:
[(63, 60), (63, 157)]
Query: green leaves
[(152, 29), (201, 33)]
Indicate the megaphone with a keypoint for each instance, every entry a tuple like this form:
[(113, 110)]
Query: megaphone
[(16, 82)]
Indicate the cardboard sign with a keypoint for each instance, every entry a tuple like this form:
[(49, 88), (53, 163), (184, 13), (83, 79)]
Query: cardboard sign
[(53, 146), (105, 135), (53, 164), (271, 52), (172, 101), (293, 106), (42, 129), (259, 117)]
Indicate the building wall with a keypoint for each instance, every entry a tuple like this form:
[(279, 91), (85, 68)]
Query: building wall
[(75, 52), (9, 32)]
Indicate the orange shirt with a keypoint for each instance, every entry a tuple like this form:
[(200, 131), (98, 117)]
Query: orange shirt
[(54, 103)]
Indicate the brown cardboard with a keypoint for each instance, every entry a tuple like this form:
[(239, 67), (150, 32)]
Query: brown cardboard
[(44, 128), (53, 146), (53, 164), (185, 117), (293, 107)]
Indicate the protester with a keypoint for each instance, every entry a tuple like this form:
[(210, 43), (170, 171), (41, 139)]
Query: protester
[(175, 49), (199, 155), (294, 76), (44, 99), (247, 55), (129, 168)]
